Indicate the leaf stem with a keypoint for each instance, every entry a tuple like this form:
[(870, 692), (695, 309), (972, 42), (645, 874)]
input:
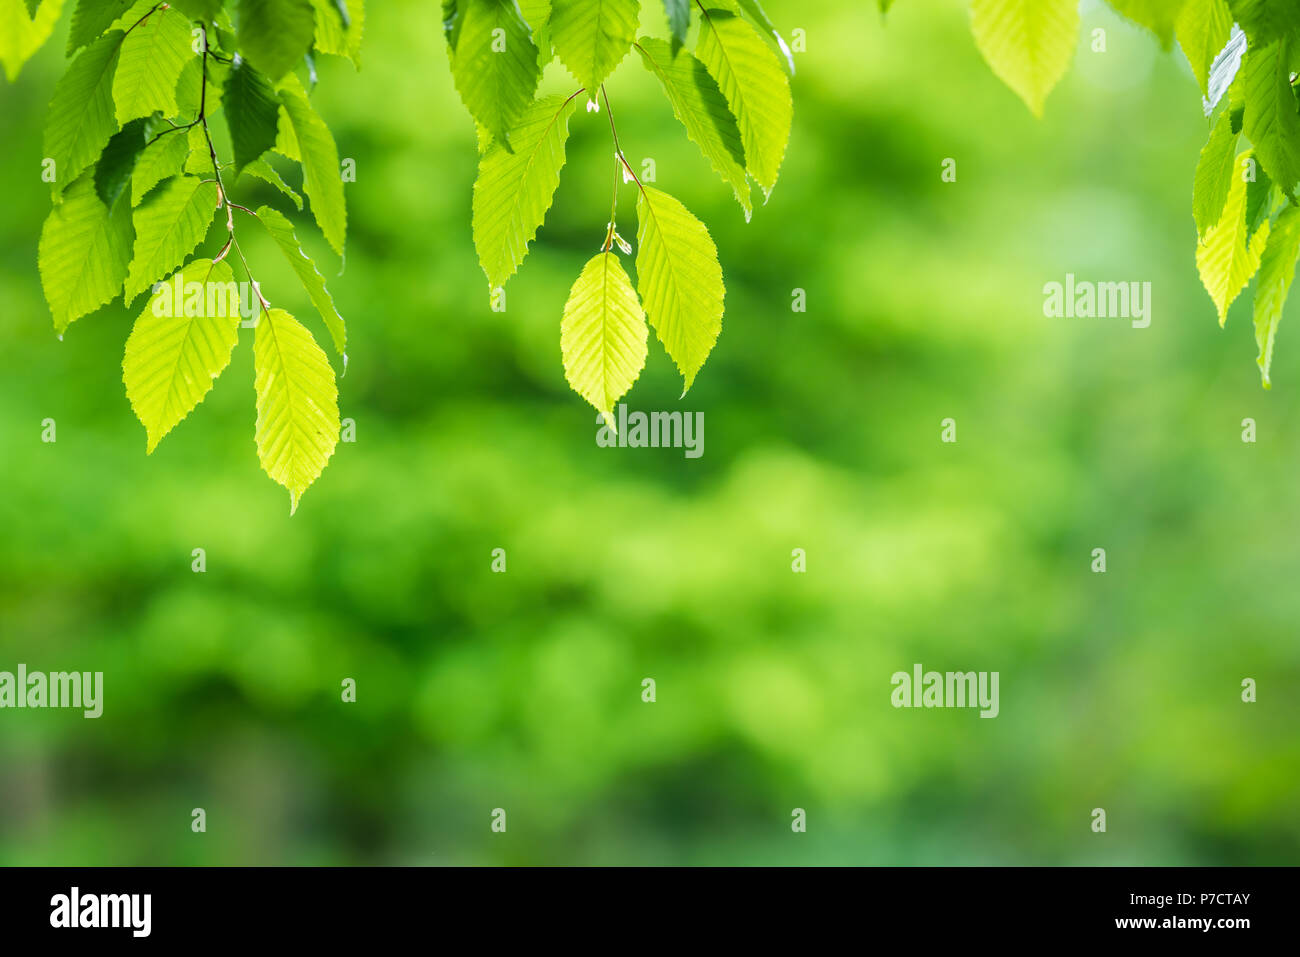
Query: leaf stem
[(618, 150)]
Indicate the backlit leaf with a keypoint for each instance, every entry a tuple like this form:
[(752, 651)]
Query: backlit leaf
[(603, 334), (179, 344)]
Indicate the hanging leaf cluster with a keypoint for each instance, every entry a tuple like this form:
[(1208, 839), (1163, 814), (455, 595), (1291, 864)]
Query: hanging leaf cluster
[(165, 111), (725, 72)]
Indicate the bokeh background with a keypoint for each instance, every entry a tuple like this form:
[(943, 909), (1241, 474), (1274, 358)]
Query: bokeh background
[(523, 690)]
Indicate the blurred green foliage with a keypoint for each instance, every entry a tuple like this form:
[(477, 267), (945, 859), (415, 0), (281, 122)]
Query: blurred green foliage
[(522, 690)]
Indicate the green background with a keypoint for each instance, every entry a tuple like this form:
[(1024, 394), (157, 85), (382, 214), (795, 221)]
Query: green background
[(523, 690)]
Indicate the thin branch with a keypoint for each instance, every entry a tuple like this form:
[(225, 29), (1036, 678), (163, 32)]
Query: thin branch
[(221, 187)]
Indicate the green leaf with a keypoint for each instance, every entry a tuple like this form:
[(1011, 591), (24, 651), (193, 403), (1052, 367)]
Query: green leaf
[(513, 191), (333, 36), (702, 109), (1214, 172), (494, 63), (168, 225), (1259, 202), (275, 35), (592, 37), (179, 344), (1276, 272), (322, 181), (1158, 16), (32, 5), (80, 121), (679, 21), (679, 279), (1266, 20), (1271, 122), (91, 18), (153, 55), (83, 253), (204, 10), (286, 143), (603, 334), (22, 35), (160, 159), (1224, 258), (537, 14), (1028, 43), (297, 403), (281, 230), (252, 112), (189, 91), (267, 173), (116, 163), (1204, 27), (758, 16), (199, 161), (756, 88)]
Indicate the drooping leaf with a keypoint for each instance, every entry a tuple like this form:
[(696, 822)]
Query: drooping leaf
[(494, 64), (1224, 259), (83, 253), (758, 16), (1271, 122), (679, 21), (297, 403), (513, 191), (592, 36), (1267, 20), (603, 334), (81, 121), (322, 179), (22, 35), (199, 162), (153, 55), (1276, 272), (679, 279), (1214, 172), (160, 159), (702, 109), (179, 344), (117, 162), (537, 14), (252, 112), (1259, 201), (335, 37), (275, 34), (189, 88), (168, 225), (1028, 43), (267, 173), (1158, 16), (1203, 28), (90, 18), (281, 231), (204, 10), (756, 88)]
